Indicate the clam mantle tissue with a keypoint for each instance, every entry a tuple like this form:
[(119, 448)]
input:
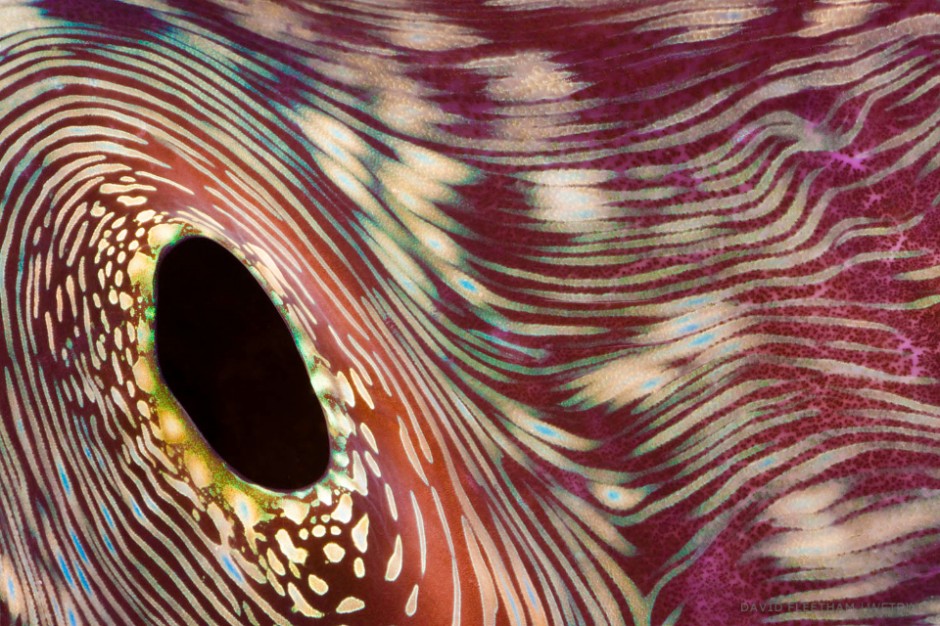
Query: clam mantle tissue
[(618, 312)]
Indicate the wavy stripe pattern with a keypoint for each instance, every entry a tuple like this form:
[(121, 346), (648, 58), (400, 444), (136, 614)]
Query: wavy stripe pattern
[(620, 312)]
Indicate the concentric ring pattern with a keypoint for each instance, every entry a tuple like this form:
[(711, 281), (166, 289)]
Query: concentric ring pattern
[(620, 312)]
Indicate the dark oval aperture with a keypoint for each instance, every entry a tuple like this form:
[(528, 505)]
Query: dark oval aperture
[(229, 358)]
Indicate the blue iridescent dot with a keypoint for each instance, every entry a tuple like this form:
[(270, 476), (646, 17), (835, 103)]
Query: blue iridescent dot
[(78, 546), (466, 284), (107, 516), (231, 569), (65, 480), (531, 593), (65, 570), (542, 429), (83, 580)]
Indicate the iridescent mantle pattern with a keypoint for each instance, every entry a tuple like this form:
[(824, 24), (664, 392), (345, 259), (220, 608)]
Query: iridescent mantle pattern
[(621, 313)]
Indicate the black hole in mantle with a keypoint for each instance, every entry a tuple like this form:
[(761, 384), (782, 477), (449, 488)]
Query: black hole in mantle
[(230, 360)]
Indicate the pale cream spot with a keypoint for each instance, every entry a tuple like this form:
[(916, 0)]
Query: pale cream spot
[(350, 604), (359, 479), (390, 497), (132, 201), (394, 562), (143, 408), (363, 392), (163, 234), (345, 390), (318, 585), (145, 216), (140, 268), (568, 177), (432, 171), (412, 605), (300, 603), (805, 509), (198, 470), (112, 189), (360, 533), (221, 521), (410, 452), (409, 113), (295, 510), (343, 511), (334, 552), (432, 35), (17, 20), (143, 375), (275, 563), (373, 466), (835, 15), (359, 567), (567, 204), (275, 584), (245, 508), (527, 76), (369, 437), (288, 549), (616, 497)]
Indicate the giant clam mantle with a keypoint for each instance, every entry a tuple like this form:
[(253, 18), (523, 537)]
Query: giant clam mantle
[(618, 312)]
